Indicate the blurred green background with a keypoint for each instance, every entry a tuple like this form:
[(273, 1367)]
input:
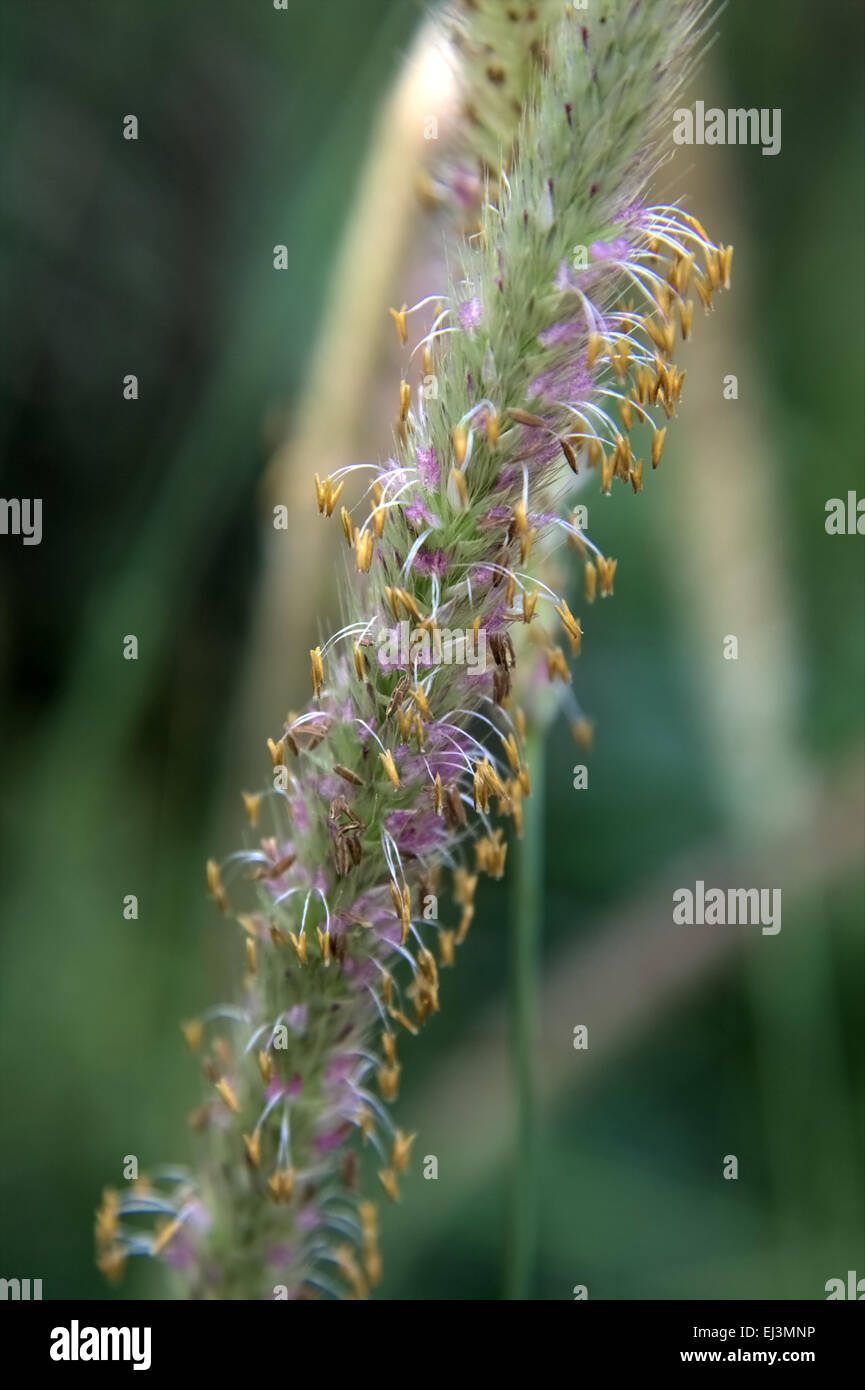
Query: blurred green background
[(155, 257)]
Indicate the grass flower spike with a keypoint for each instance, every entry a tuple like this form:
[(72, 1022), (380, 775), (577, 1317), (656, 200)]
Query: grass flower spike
[(552, 355)]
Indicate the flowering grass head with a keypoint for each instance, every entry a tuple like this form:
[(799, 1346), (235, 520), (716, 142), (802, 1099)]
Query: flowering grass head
[(552, 349)]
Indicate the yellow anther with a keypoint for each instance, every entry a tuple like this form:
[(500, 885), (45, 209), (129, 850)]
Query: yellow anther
[(481, 791), (695, 224), (607, 467), (192, 1034), (165, 1236), (214, 885), (460, 438), (106, 1219), (388, 1081), (401, 1149), (277, 752), (420, 701), (725, 256), (111, 1263), (591, 582), (348, 1266), (594, 349), (389, 766), (705, 294), (387, 1178), (512, 751), (490, 855), (682, 273), (363, 548), (316, 669), (572, 627), (299, 944), (662, 297), (326, 495), (460, 488), (408, 603), (606, 571), (398, 316), (556, 665), (516, 795), (464, 886), (228, 1096), (400, 1018), (662, 335), (658, 445), (465, 923), (282, 1185)]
